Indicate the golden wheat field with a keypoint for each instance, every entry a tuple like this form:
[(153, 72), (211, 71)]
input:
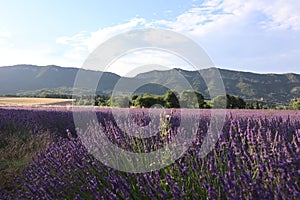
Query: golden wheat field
[(22, 101)]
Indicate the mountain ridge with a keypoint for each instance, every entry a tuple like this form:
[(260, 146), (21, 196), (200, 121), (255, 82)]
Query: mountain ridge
[(271, 87)]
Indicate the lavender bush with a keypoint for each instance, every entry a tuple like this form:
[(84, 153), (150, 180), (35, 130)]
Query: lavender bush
[(256, 157)]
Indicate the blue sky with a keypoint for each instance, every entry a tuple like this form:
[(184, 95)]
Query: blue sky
[(255, 35)]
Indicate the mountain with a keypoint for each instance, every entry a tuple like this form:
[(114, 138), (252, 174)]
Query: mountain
[(22, 78), (270, 87)]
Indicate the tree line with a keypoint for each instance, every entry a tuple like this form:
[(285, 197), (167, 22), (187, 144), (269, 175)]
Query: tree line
[(186, 99)]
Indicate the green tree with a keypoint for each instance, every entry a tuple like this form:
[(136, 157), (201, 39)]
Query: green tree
[(249, 105), (228, 101), (257, 105), (191, 99), (101, 100), (220, 102), (120, 101), (171, 100), (239, 102), (295, 104), (147, 101)]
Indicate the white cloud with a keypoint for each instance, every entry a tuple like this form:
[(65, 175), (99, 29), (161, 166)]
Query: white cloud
[(83, 43), (11, 52), (218, 15), (145, 60), (5, 34), (282, 14), (101, 35), (75, 40), (5, 39), (232, 31), (93, 39), (252, 34)]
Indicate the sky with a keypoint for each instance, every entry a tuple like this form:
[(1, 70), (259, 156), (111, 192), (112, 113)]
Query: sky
[(261, 36)]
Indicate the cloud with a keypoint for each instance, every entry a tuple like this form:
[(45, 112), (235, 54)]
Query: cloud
[(5, 34), (80, 45), (93, 39), (5, 39), (220, 15), (250, 34), (140, 61), (282, 15), (102, 35), (234, 32), (75, 40)]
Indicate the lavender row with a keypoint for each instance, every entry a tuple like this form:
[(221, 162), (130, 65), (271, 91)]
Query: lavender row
[(256, 156)]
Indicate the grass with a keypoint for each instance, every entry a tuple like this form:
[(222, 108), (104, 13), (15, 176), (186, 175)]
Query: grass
[(16, 153), (24, 101)]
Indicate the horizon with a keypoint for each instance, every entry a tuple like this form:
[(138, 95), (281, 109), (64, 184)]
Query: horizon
[(154, 69), (253, 36)]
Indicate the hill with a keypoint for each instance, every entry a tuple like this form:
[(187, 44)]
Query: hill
[(23, 78), (278, 88), (270, 87)]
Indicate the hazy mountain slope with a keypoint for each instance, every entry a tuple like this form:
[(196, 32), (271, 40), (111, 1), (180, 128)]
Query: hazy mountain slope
[(20, 78), (271, 87)]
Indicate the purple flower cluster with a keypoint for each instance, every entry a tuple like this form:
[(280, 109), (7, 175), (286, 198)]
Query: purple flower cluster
[(256, 157), (20, 121)]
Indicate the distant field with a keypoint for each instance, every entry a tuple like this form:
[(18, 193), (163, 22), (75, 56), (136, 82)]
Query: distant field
[(16, 101)]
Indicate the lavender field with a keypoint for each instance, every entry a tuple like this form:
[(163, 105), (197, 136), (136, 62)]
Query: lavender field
[(257, 156)]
